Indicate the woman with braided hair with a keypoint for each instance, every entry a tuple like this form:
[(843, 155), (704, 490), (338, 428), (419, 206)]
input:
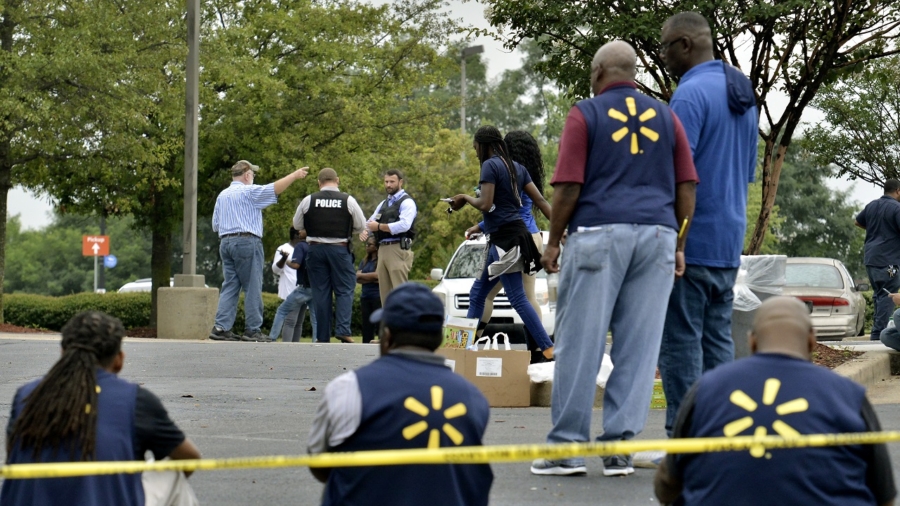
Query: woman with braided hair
[(524, 150), (511, 249), (82, 411)]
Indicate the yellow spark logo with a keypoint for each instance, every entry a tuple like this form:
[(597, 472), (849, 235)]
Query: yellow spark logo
[(434, 436), (770, 392), (621, 133)]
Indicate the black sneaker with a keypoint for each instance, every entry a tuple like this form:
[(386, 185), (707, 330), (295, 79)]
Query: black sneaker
[(257, 336), (220, 334)]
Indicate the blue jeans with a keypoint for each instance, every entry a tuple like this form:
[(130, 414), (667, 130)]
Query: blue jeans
[(697, 335), (295, 301), (242, 266), (331, 271), (890, 337), (880, 280), (515, 292), (616, 277)]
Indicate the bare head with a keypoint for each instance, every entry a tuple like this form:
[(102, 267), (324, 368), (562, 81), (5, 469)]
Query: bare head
[(614, 61), (393, 181), (328, 177), (892, 188), (782, 325), (685, 41)]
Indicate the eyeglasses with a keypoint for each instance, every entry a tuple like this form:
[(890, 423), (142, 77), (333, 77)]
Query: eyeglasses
[(666, 45)]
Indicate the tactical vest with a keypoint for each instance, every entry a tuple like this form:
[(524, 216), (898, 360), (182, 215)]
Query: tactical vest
[(774, 394), (630, 172), (328, 215), (408, 403), (391, 214), (114, 441)]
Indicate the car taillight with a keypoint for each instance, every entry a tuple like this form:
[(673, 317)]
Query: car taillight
[(826, 301)]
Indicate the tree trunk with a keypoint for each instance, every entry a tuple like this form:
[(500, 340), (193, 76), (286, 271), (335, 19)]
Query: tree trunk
[(5, 178), (160, 266)]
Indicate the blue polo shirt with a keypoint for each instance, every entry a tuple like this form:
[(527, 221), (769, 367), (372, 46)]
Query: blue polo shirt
[(881, 219), (724, 144)]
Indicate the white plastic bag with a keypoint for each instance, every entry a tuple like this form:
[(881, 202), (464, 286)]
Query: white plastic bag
[(543, 372), (760, 273)]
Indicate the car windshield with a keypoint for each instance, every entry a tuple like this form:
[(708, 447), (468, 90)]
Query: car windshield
[(813, 275), (468, 262)]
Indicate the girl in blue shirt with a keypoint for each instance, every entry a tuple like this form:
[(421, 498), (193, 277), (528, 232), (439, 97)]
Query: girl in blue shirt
[(503, 183)]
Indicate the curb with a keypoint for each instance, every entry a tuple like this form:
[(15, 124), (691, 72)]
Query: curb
[(869, 368)]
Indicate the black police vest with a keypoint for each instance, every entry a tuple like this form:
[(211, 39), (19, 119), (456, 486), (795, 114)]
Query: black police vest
[(328, 215), (391, 214)]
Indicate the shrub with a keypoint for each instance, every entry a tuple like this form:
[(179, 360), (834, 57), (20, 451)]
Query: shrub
[(43, 311)]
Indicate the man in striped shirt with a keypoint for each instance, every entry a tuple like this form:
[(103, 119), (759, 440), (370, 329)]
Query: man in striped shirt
[(237, 219)]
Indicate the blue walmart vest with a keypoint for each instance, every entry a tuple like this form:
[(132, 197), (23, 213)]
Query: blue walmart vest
[(408, 403), (630, 173), (776, 394), (115, 441)]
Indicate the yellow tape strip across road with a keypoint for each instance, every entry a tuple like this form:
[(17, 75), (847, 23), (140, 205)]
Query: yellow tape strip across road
[(457, 455)]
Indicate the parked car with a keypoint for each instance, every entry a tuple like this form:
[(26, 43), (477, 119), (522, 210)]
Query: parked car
[(837, 307), (141, 285), (456, 283)]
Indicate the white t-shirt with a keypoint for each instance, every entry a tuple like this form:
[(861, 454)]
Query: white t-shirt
[(287, 277)]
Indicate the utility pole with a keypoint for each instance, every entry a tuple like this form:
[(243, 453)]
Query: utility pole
[(192, 105)]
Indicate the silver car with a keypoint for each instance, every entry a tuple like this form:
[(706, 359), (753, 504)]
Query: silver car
[(837, 307)]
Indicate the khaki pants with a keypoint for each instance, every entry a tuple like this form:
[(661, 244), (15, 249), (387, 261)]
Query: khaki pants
[(393, 267)]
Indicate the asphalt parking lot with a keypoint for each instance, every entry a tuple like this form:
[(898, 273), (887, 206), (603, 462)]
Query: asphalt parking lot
[(250, 399)]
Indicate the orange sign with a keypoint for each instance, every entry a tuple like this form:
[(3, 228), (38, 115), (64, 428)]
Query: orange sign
[(95, 245)]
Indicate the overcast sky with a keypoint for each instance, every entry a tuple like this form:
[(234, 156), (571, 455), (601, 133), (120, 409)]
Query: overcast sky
[(35, 212)]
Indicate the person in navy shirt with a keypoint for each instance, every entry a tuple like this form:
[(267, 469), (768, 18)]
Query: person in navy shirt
[(881, 221), (408, 398), (777, 391), (82, 411), (299, 299), (717, 107), (511, 249), (370, 295)]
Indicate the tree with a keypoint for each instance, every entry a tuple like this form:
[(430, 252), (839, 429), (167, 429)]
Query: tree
[(815, 220), (49, 261), (794, 49), (861, 132)]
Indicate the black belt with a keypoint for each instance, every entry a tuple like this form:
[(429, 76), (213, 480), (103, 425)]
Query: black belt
[(239, 234), (329, 243)]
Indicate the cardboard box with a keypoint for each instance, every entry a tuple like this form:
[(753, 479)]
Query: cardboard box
[(459, 332), (501, 375)]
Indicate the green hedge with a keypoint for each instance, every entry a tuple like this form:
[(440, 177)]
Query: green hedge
[(41, 311)]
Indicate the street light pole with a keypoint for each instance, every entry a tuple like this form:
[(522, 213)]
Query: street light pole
[(469, 51), (191, 102)]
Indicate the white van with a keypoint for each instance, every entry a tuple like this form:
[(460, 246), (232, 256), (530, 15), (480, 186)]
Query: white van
[(456, 283)]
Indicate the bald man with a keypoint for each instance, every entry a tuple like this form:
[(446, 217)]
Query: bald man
[(330, 217), (717, 106), (777, 391), (624, 183)]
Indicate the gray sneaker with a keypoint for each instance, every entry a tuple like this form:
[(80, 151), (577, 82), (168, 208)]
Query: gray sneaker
[(556, 468), (257, 336), (617, 465), (220, 334)]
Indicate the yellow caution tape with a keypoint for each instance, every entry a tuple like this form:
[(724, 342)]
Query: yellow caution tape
[(456, 455)]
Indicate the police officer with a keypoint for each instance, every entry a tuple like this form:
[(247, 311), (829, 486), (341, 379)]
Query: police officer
[(330, 218), (392, 224)]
